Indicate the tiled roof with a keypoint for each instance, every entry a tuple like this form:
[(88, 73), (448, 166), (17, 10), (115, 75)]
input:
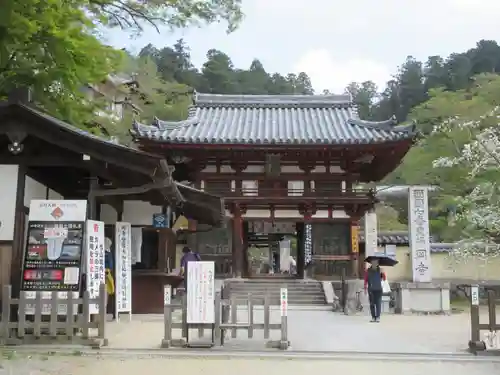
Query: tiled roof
[(403, 238), (273, 119)]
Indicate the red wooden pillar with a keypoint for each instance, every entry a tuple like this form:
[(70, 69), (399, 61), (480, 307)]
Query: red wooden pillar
[(237, 241)]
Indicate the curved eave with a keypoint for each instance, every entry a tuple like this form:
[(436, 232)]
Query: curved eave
[(385, 162), (156, 137)]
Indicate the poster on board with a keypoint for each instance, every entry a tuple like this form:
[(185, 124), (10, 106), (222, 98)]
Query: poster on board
[(201, 293), (123, 277), (94, 264), (53, 251)]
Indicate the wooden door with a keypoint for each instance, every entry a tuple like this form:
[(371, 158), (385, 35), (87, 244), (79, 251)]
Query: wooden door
[(331, 250)]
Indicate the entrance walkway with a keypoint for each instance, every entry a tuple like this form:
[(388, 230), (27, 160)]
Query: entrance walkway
[(319, 330)]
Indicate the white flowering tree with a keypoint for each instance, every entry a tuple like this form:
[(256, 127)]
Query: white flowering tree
[(476, 143)]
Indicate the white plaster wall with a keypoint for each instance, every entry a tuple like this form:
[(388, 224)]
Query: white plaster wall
[(134, 212), (54, 195), (257, 214), (108, 214), (291, 169), (254, 169), (8, 190), (34, 190), (339, 214), (296, 187), (139, 213), (288, 214), (320, 214)]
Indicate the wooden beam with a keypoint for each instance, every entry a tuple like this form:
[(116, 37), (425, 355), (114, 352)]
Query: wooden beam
[(157, 185), (211, 176), (46, 130), (42, 160)]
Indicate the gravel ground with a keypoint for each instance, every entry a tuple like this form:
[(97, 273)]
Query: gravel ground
[(73, 365), (319, 330)]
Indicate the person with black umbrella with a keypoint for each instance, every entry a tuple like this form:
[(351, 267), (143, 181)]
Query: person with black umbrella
[(373, 286)]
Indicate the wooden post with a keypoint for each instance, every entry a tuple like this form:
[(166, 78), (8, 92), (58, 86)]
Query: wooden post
[(18, 243), (101, 330), (92, 201), (234, 316), (492, 314), (237, 242), (474, 318), (167, 322), (267, 316)]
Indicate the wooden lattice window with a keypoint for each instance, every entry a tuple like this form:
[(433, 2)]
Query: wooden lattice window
[(273, 165)]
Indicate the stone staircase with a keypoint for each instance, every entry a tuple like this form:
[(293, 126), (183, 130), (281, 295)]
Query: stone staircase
[(300, 292)]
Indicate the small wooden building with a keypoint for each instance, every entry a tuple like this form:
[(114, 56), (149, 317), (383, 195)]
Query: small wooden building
[(44, 158), (285, 165)]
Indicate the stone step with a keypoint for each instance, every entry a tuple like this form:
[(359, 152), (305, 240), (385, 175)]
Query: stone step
[(273, 293), (277, 289), (277, 299), (299, 292)]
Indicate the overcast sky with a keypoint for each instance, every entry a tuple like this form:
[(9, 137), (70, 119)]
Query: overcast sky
[(338, 41)]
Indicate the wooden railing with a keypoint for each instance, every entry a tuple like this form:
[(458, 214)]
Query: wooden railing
[(287, 194), (53, 320)]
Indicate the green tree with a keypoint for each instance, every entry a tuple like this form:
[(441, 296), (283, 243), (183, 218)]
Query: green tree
[(153, 97), (417, 167), (219, 73), (53, 47), (49, 46), (364, 96), (132, 15)]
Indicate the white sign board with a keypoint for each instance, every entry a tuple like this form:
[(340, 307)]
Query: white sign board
[(58, 210), (371, 235), (200, 292), (94, 259), (284, 301), (123, 275), (418, 212), (53, 247), (474, 295), (167, 295)]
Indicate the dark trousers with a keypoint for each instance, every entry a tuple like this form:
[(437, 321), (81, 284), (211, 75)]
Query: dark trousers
[(375, 297)]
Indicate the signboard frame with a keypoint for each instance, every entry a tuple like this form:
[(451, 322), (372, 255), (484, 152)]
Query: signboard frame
[(200, 293), (53, 251), (123, 269), (94, 260), (284, 301), (371, 234), (418, 221)]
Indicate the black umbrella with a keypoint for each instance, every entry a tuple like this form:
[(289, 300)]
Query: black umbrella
[(383, 261)]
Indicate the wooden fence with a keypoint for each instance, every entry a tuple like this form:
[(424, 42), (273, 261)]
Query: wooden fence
[(491, 340), (226, 320), (73, 327)]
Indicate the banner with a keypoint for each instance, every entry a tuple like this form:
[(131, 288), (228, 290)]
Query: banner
[(53, 254), (354, 238), (123, 273), (94, 252)]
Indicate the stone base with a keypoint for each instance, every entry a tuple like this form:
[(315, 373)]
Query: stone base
[(422, 298), (355, 292)]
